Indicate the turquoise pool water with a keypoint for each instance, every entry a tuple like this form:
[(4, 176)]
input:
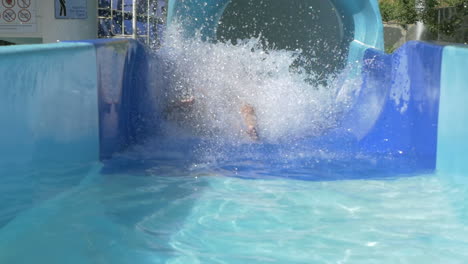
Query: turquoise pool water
[(166, 212)]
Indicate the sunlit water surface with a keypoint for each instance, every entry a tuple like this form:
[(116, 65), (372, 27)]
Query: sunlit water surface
[(167, 210)]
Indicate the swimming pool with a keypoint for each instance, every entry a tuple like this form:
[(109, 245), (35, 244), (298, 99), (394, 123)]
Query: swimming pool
[(92, 173), (172, 212)]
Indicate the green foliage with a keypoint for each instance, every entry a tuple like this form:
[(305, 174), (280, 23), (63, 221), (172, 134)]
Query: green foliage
[(404, 12), (389, 50), (445, 3), (400, 11), (388, 11), (449, 26)]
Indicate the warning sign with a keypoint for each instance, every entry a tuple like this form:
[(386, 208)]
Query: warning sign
[(24, 3), (9, 15), (18, 16), (24, 15), (71, 9), (8, 3)]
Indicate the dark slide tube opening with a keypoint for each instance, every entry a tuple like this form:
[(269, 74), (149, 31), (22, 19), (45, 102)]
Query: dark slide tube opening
[(315, 27)]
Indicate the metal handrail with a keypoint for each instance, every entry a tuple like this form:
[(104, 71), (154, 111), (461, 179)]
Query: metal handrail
[(149, 17)]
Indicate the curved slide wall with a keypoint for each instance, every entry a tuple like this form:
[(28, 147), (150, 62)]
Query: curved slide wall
[(452, 148), (396, 115), (48, 104), (333, 32), (71, 102), (420, 91), (360, 18), (84, 101)]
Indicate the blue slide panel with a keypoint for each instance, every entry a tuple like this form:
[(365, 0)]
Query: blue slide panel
[(125, 109), (48, 104), (452, 151), (404, 88), (73, 101), (63, 106)]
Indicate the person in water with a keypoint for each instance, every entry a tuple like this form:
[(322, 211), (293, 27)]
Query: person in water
[(247, 111), (250, 121)]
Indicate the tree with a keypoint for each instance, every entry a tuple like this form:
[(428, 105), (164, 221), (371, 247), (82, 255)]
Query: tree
[(430, 16), (405, 12)]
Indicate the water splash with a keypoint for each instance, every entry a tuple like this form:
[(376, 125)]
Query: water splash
[(220, 78), (420, 6), (420, 28)]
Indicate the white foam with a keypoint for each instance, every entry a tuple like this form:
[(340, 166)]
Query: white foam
[(222, 77)]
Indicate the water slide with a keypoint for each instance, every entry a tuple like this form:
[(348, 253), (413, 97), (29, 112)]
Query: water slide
[(87, 100), (333, 31)]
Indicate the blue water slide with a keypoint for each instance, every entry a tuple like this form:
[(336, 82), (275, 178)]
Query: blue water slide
[(72, 102), (86, 101), (334, 32), (452, 144), (48, 104), (396, 115)]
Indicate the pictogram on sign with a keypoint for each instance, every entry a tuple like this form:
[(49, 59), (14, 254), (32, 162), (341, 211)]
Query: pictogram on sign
[(8, 3), (19, 16), (24, 15), (24, 3), (9, 15)]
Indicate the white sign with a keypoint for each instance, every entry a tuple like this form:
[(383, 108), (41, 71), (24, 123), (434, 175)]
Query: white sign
[(71, 9), (18, 16)]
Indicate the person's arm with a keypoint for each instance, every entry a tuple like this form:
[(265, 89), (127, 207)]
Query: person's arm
[(250, 120)]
